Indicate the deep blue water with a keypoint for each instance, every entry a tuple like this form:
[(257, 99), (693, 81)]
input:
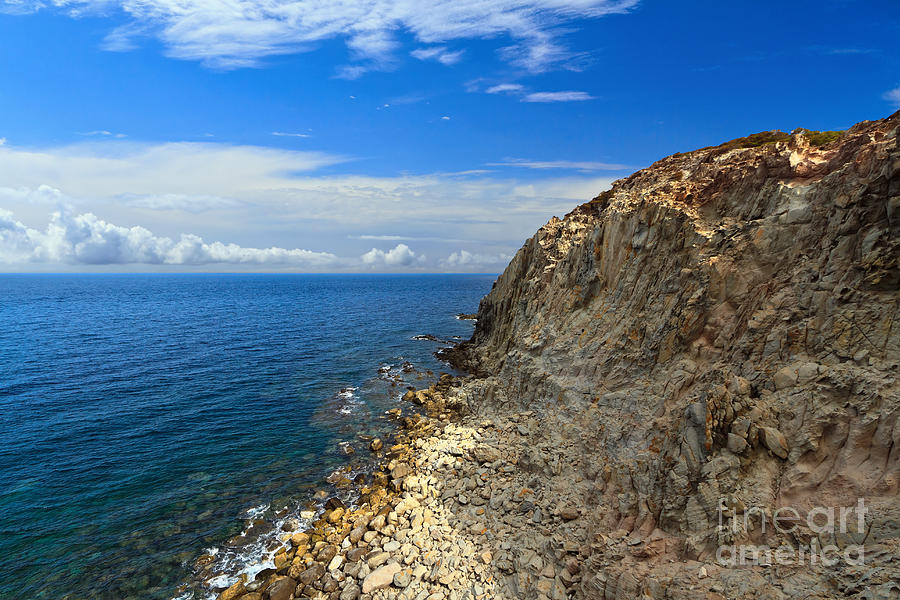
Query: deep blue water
[(141, 416)]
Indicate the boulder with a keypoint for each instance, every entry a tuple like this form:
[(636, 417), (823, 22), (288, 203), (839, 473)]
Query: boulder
[(380, 578), (233, 592), (281, 589)]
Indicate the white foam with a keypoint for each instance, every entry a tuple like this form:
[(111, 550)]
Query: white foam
[(256, 511)]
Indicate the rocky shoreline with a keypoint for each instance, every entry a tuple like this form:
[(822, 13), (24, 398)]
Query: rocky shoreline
[(450, 513), (402, 537)]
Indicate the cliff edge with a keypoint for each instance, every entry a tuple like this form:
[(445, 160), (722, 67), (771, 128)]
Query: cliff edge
[(709, 346)]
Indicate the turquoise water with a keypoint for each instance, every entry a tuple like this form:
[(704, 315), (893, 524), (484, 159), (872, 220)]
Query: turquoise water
[(145, 418)]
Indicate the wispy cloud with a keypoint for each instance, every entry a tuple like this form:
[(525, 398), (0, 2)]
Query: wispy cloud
[(245, 31), (558, 164), (287, 134), (567, 96), (104, 133), (505, 88), (848, 51), (893, 96), (406, 238), (438, 53), (516, 89)]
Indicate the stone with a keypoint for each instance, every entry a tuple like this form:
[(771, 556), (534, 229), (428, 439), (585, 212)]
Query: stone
[(334, 516), (355, 554), (376, 445), (281, 589), (400, 471), (326, 554), (312, 574), (356, 534), (569, 513), (378, 559), (336, 562), (774, 440), (736, 444), (486, 454), (380, 578), (351, 592), (233, 592), (785, 377), (402, 579)]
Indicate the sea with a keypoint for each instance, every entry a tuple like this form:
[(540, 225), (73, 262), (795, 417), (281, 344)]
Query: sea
[(147, 421)]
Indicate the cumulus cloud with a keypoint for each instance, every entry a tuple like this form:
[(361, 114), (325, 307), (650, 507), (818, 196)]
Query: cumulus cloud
[(399, 256), (893, 96), (464, 258), (567, 96), (240, 33), (87, 240)]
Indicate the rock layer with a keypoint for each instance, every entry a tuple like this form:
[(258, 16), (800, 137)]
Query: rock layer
[(717, 334)]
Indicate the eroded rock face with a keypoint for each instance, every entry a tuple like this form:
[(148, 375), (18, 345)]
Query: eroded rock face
[(719, 329)]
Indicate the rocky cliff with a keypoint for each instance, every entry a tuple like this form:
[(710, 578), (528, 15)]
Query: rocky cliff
[(715, 338)]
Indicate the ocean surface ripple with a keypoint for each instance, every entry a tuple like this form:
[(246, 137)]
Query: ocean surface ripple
[(145, 418)]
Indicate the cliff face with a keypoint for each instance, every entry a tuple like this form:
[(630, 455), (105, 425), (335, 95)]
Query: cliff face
[(721, 329)]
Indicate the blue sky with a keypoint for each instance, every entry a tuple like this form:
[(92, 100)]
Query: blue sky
[(381, 135)]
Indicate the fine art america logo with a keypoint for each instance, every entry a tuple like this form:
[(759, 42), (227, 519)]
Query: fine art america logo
[(829, 523)]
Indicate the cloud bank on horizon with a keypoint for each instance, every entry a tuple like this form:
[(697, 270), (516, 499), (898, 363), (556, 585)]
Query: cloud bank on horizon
[(86, 240), (246, 190)]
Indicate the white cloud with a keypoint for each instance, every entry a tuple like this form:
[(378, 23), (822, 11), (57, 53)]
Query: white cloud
[(445, 118), (2, 140), (464, 258), (558, 164), (893, 96), (43, 194), (266, 196), (438, 53), (567, 96), (407, 238), (112, 168), (286, 134), (104, 133), (86, 240), (240, 33), (505, 88), (515, 89), (399, 256), (352, 72)]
